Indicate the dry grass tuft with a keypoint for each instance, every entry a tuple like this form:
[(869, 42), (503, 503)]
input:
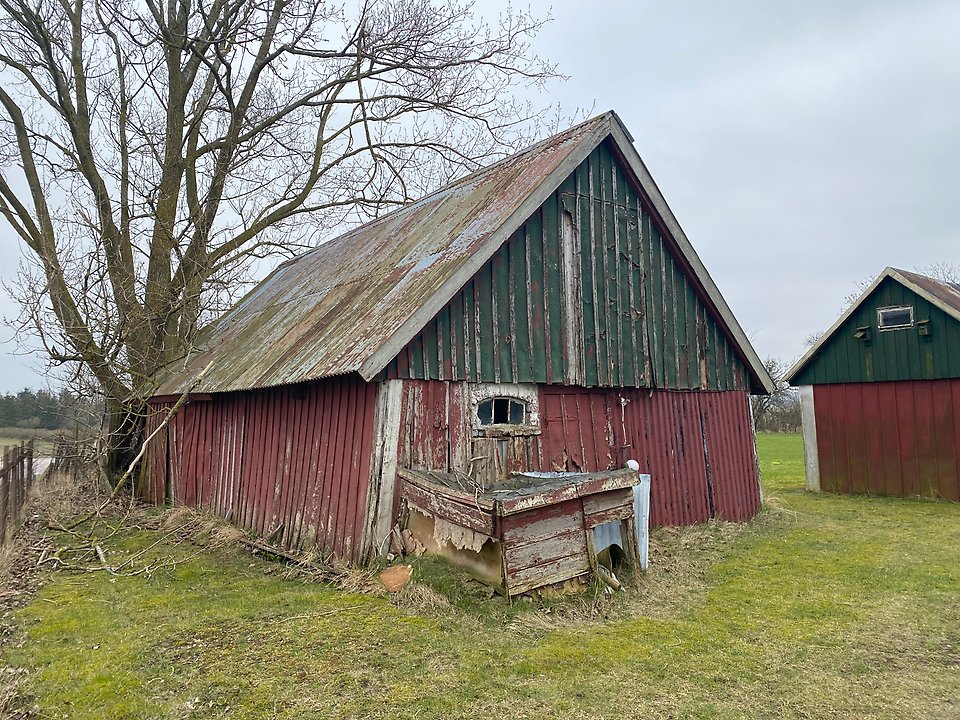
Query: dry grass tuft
[(680, 558), (60, 495), (203, 529), (177, 516), (419, 598), (774, 510)]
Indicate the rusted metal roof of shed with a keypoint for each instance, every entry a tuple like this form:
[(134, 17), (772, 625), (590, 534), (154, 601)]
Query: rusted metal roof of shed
[(947, 293), (351, 304)]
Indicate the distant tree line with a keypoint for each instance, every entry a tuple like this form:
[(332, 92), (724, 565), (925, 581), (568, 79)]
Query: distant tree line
[(45, 409)]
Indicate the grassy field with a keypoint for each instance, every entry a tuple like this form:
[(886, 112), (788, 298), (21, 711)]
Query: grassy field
[(822, 607), (40, 447)]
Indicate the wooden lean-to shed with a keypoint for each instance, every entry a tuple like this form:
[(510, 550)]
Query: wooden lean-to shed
[(880, 392), (545, 314)]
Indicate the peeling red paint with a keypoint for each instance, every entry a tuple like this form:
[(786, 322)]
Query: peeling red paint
[(698, 447)]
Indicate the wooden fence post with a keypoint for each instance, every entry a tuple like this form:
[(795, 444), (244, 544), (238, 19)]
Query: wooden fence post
[(16, 481), (4, 500), (4, 497)]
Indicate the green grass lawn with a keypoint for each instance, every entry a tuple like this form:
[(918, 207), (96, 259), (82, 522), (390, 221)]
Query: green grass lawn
[(822, 607)]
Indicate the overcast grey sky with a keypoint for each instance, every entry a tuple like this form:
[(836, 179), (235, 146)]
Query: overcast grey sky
[(802, 146)]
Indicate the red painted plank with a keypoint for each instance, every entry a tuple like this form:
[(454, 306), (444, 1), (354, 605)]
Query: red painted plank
[(952, 489)]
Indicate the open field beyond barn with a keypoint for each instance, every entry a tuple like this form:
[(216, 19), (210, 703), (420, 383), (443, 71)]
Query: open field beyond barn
[(822, 607)]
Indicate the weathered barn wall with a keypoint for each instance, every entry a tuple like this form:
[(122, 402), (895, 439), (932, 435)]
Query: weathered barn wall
[(297, 455), (697, 446), (637, 320), (889, 438), (892, 354)]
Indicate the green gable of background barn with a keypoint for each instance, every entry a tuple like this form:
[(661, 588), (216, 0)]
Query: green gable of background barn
[(856, 350)]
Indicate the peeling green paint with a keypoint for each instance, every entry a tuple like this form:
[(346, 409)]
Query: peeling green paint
[(641, 320)]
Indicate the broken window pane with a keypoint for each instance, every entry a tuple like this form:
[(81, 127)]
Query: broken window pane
[(485, 412)]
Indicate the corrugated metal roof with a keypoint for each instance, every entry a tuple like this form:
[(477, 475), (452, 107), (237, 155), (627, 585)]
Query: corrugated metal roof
[(327, 311), (351, 304), (947, 293)]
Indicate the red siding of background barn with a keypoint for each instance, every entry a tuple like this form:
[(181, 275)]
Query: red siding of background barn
[(890, 438), (697, 446), (297, 455)]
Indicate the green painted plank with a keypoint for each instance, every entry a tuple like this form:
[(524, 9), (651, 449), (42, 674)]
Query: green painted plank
[(430, 349), (486, 333), (520, 308), (538, 309), (626, 266), (552, 285), (472, 365), (458, 340), (416, 364), (444, 344), (502, 320)]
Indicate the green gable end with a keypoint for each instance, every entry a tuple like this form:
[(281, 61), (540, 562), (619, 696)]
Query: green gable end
[(637, 318), (859, 351)]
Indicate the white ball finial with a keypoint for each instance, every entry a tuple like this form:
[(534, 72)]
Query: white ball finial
[(633, 465)]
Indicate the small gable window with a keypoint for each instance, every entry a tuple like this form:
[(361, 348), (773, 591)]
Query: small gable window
[(502, 411), (895, 318)]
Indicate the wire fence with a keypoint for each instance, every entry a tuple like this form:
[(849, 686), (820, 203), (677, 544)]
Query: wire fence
[(16, 479)]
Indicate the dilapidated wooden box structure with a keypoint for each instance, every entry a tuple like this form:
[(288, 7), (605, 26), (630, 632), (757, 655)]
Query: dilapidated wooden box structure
[(544, 314), (880, 392), (534, 530)]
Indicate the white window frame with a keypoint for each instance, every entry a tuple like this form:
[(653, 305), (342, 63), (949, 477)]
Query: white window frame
[(895, 308), (522, 392)]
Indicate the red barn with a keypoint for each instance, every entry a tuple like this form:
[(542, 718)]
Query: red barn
[(545, 313)]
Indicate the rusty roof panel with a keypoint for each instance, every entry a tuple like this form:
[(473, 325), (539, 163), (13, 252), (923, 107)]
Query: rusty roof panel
[(948, 293), (326, 312)]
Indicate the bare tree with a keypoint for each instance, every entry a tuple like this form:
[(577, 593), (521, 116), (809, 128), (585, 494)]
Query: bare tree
[(780, 410), (161, 147), (945, 272)]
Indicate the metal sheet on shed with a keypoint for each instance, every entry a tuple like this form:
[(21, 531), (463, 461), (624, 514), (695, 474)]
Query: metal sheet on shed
[(890, 438), (328, 311), (297, 456)]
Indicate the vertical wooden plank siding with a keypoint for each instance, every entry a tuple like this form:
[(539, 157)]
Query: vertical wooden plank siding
[(697, 446), (890, 438), (640, 320), (296, 456)]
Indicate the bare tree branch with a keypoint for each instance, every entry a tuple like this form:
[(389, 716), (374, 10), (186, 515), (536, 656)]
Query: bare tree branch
[(162, 146)]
